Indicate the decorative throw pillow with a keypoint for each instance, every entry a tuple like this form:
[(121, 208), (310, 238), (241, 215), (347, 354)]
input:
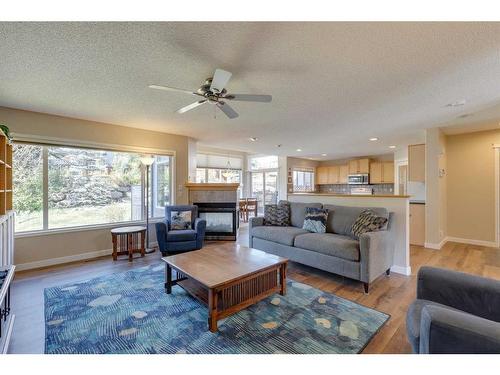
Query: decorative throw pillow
[(315, 220), (367, 221), (277, 214), (180, 220)]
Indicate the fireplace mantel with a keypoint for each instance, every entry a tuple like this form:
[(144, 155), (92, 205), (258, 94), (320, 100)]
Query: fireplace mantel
[(212, 186)]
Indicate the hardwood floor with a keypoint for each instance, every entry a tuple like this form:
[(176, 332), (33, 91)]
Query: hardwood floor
[(390, 294)]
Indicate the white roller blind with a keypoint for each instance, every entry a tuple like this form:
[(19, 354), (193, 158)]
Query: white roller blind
[(218, 161)]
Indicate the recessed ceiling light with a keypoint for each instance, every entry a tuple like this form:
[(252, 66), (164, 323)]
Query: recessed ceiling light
[(374, 139), (323, 154), (299, 150), (254, 139), (457, 103), (392, 146)]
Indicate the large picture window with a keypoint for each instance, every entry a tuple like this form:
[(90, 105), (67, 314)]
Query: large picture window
[(61, 187)]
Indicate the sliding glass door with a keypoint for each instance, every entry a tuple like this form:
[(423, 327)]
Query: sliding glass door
[(264, 187)]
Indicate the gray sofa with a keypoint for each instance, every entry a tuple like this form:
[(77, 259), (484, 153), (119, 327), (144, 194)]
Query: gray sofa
[(335, 251), (454, 313)]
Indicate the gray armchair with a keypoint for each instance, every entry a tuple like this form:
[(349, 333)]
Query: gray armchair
[(180, 241), (454, 313)]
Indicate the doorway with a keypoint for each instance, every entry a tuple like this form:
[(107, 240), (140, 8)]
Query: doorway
[(264, 187)]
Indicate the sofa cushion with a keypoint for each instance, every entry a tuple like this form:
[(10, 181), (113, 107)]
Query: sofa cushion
[(277, 214), (315, 220), (181, 235), (413, 318), (367, 221), (180, 220), (282, 235), (341, 218), (329, 244), (298, 212)]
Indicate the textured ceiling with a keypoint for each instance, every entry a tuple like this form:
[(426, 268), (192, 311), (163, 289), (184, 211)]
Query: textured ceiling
[(334, 85)]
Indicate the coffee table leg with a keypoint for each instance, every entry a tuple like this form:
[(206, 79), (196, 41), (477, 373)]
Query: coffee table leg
[(168, 278), (283, 279), (212, 310)]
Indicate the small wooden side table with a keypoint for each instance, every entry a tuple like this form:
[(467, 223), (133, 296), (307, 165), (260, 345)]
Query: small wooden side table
[(128, 240)]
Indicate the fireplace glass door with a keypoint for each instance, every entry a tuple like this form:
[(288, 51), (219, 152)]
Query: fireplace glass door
[(219, 222)]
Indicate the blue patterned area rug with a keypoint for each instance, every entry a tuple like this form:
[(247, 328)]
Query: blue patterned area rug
[(130, 313)]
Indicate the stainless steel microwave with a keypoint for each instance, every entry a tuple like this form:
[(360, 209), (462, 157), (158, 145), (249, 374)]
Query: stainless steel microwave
[(358, 179)]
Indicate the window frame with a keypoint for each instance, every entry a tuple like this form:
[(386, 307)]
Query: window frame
[(304, 170), (46, 142), (206, 169)]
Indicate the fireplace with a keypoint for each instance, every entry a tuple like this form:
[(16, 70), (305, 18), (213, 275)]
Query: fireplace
[(222, 220)]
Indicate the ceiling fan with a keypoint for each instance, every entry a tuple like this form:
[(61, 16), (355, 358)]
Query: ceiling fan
[(213, 92)]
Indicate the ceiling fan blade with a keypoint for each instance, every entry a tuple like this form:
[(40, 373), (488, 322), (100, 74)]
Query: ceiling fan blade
[(220, 80), (191, 106), (250, 98), (167, 88), (228, 111)]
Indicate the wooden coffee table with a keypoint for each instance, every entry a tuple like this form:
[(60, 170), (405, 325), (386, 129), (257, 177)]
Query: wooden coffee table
[(226, 280)]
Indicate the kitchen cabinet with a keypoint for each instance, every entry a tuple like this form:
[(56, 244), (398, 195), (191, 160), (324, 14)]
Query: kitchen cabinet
[(416, 163), (382, 172), (343, 173), (333, 174), (358, 166), (417, 224), (322, 175)]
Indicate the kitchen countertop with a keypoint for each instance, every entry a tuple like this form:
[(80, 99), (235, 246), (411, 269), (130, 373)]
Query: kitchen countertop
[(416, 201), (353, 195)]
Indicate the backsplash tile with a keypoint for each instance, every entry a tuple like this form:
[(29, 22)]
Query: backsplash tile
[(346, 189)]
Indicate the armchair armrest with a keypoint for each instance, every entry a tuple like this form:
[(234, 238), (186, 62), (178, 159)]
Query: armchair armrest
[(200, 225), (473, 294), (376, 254), (161, 236), (444, 330)]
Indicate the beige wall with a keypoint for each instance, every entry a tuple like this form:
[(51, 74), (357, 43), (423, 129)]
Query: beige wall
[(435, 212), (471, 185), (43, 247)]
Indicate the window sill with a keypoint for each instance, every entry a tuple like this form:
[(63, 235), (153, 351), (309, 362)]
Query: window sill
[(47, 232)]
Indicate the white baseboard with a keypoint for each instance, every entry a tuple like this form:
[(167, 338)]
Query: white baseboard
[(472, 242), (67, 259), (436, 246), (402, 270), (468, 241), (62, 260)]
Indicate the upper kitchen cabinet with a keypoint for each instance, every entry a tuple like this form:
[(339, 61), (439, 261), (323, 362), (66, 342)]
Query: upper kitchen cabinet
[(333, 174), (358, 166), (343, 173), (416, 163), (322, 175), (382, 172)]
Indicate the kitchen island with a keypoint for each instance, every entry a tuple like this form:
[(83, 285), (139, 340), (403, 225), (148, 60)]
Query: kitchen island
[(397, 204)]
